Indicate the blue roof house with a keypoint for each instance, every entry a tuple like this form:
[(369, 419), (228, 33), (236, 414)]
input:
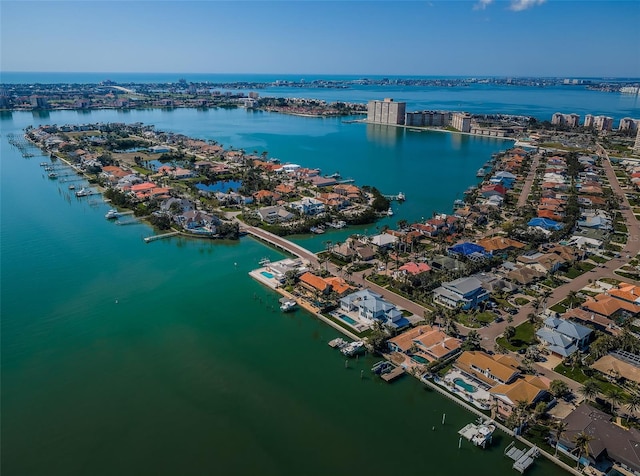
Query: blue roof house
[(371, 307), (503, 178), (463, 293), (545, 223), (563, 337)]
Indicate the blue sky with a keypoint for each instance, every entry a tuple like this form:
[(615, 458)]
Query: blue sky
[(437, 37)]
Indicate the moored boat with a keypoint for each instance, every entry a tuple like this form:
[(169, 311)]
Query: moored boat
[(481, 172), (353, 348), (316, 229), (111, 214), (83, 192), (390, 212), (287, 305)]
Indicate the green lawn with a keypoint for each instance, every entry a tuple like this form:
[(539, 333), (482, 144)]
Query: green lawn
[(597, 259), (560, 307), (524, 337), (573, 373), (520, 301)]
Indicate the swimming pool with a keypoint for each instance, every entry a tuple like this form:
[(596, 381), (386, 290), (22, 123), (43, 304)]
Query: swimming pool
[(462, 384), (266, 274), (347, 319), (420, 359)]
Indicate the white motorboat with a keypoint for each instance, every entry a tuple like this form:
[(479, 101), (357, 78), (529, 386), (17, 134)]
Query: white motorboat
[(287, 305), (353, 348), (390, 212), (111, 214)]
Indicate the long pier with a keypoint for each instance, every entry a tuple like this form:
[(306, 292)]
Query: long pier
[(149, 239)]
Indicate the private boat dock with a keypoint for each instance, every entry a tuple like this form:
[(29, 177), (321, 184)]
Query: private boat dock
[(522, 458), (149, 239), (400, 197), (387, 371), (479, 433)]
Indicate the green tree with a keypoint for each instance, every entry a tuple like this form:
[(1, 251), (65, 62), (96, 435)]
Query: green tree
[(632, 404), (582, 441), (589, 389), (378, 337), (472, 342), (558, 432), (615, 397), (509, 333), (558, 388)]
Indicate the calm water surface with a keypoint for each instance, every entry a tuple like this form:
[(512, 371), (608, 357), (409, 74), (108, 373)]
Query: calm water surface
[(120, 357)]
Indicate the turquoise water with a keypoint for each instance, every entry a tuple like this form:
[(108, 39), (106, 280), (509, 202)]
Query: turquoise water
[(266, 274), (347, 319), (121, 357), (464, 385), (419, 359)]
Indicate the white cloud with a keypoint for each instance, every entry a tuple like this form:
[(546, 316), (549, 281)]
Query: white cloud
[(519, 5), (482, 4)]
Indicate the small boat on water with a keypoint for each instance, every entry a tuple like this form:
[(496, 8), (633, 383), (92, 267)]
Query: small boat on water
[(264, 261), (53, 175), (338, 343), (111, 214), (337, 224), (287, 305), (43, 164), (481, 172), (83, 192), (353, 348), (72, 187), (318, 230), (401, 197), (390, 212)]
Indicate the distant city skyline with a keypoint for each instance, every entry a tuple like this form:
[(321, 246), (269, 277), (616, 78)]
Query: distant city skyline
[(545, 38)]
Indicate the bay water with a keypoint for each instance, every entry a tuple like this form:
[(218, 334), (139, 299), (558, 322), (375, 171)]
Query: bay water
[(120, 357)]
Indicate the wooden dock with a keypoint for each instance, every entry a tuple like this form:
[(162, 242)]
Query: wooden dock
[(149, 239), (394, 374)]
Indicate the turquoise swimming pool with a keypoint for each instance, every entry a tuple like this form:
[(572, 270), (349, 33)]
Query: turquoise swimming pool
[(420, 359), (464, 385), (266, 274), (347, 319)]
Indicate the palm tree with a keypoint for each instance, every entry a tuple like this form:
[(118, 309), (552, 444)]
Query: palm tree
[(615, 397), (589, 390), (633, 404), (558, 431), (582, 441)]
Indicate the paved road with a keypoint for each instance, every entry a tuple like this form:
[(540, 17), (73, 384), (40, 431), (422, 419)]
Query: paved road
[(528, 183), (632, 247)]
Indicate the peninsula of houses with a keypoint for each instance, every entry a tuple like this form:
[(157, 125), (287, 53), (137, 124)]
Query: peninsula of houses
[(522, 301)]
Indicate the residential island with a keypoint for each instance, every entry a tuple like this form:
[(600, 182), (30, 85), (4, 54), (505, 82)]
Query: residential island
[(521, 302)]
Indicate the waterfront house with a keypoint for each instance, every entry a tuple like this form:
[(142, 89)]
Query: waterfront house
[(308, 206), (275, 214), (563, 337), (371, 307), (495, 189), (383, 240), (426, 342), (463, 293), (489, 370), (195, 220), (266, 196), (528, 388), (609, 443)]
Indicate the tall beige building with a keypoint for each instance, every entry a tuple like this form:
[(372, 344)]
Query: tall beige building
[(386, 112), (636, 147), (461, 121)]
